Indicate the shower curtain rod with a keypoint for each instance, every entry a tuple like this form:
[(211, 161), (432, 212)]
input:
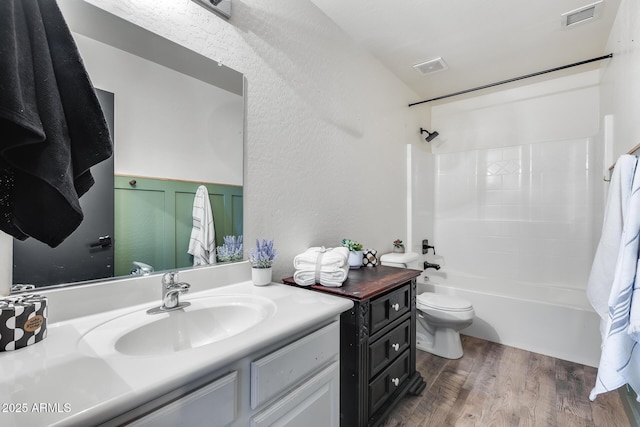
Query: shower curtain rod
[(514, 79)]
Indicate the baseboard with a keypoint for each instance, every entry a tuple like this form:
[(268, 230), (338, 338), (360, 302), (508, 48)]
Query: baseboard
[(631, 405)]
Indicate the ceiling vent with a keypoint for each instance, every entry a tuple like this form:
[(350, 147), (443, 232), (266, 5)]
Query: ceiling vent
[(581, 15), (431, 66)]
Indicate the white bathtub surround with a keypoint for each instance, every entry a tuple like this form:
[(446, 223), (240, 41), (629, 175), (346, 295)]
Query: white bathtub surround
[(517, 189), (555, 321)]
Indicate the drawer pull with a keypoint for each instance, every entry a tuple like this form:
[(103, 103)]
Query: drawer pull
[(395, 306), (395, 381), (396, 347)]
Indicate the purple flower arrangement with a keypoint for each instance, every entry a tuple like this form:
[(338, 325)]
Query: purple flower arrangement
[(231, 250), (263, 254)]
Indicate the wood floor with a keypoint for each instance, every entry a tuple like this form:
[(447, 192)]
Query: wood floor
[(497, 385)]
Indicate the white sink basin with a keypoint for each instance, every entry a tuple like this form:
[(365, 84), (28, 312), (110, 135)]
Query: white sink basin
[(205, 321)]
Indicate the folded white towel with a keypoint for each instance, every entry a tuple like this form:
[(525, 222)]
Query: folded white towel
[(332, 258), (332, 279), (327, 266)]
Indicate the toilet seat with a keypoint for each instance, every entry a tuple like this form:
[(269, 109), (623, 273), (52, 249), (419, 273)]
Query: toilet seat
[(430, 300)]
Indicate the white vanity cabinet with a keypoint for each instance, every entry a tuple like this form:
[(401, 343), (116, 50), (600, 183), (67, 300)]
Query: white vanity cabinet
[(293, 383), (302, 380), (194, 409)]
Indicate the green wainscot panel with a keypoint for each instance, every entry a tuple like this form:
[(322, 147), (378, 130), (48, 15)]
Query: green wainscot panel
[(154, 220)]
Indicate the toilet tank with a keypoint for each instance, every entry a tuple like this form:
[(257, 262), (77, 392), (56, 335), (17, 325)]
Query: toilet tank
[(406, 260)]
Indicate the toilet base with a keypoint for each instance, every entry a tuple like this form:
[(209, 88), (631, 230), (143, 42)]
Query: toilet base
[(444, 342)]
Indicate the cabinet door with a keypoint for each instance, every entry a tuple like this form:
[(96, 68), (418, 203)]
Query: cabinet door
[(388, 347), (389, 307), (211, 405), (285, 368), (389, 380), (316, 403)]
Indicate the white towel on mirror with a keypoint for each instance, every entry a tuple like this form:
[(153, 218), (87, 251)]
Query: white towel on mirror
[(202, 244)]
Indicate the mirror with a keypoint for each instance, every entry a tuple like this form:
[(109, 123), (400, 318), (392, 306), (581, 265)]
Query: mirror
[(178, 123)]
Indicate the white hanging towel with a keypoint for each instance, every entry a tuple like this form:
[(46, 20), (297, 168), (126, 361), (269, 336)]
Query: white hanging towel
[(202, 244), (604, 263), (620, 359)]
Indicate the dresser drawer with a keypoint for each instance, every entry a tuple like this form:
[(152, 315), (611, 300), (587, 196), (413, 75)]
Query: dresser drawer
[(389, 307), (388, 382), (287, 367), (388, 347)]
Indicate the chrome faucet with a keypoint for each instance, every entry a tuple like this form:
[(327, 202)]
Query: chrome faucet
[(171, 290)]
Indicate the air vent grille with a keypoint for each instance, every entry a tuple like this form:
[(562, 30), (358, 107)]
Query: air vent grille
[(584, 14), (432, 66)]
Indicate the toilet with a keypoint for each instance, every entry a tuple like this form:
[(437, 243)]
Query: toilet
[(439, 317)]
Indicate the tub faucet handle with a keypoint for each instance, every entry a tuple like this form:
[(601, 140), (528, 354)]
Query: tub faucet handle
[(426, 246)]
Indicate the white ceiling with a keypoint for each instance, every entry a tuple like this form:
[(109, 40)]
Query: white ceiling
[(482, 41)]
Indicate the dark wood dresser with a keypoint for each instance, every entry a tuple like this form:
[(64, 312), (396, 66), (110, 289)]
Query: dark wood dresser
[(377, 342)]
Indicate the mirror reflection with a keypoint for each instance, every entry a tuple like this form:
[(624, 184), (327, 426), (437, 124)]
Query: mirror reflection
[(177, 121)]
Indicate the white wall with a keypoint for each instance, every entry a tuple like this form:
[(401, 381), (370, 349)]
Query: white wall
[(167, 124), (620, 82), (514, 195)]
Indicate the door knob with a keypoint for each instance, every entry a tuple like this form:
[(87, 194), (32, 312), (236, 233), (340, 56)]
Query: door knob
[(103, 242)]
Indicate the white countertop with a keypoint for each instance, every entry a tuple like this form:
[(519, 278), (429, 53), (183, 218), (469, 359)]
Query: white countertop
[(53, 383)]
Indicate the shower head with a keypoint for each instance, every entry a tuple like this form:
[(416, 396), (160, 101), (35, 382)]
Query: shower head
[(430, 135)]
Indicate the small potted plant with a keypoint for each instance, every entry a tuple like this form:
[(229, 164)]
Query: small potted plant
[(398, 246), (355, 253), (261, 258), (231, 249)]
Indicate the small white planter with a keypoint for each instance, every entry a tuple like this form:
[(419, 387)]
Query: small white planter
[(355, 259), (261, 276)]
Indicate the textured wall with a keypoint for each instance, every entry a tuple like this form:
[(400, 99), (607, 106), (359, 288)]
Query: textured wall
[(620, 84), (326, 124)]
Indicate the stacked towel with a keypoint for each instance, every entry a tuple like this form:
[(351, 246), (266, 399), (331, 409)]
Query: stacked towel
[(202, 244), (327, 266)]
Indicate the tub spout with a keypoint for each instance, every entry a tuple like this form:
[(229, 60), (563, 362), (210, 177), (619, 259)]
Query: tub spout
[(431, 265)]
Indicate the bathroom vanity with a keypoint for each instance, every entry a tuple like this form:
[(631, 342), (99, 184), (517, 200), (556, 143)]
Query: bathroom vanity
[(377, 342), (238, 355)]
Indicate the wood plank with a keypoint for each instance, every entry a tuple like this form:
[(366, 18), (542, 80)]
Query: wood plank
[(607, 409), (366, 282), (509, 386), (497, 385), (572, 393), (538, 399)]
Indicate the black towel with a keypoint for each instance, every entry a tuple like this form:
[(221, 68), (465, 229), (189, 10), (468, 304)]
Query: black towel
[(52, 128)]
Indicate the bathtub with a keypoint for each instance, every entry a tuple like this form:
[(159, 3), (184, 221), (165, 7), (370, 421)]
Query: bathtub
[(554, 321)]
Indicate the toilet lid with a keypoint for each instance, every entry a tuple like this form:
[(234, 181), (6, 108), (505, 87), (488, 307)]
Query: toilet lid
[(443, 302)]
